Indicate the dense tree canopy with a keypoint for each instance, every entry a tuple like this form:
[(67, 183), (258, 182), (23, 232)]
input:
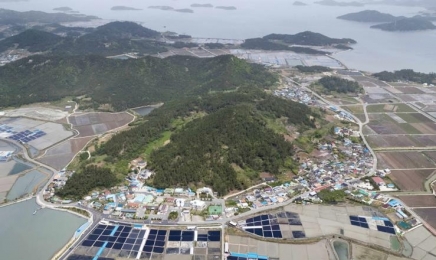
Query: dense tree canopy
[(406, 75), (335, 84)]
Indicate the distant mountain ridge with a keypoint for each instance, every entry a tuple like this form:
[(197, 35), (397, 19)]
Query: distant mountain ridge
[(14, 17), (109, 39)]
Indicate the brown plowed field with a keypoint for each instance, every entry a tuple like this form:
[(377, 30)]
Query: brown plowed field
[(403, 160), (424, 140), (59, 156), (90, 124), (428, 215), (390, 141), (419, 201), (410, 180), (425, 128)]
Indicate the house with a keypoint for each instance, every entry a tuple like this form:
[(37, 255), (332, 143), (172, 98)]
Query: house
[(379, 181), (198, 204)]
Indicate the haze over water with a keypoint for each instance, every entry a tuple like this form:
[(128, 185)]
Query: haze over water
[(376, 50)]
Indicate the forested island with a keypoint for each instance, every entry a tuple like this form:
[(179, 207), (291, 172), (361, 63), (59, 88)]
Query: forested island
[(283, 42), (298, 3), (184, 10), (202, 5), (63, 9), (406, 75), (338, 3), (124, 8), (161, 7), (406, 24), (229, 8), (370, 16)]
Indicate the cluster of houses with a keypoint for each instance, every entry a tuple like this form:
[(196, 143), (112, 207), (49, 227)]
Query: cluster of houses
[(296, 94), (341, 115)]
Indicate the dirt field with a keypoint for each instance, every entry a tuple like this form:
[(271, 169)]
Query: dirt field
[(424, 140), (91, 124), (410, 180), (425, 128), (59, 156), (428, 215), (385, 124), (410, 90), (403, 160), (376, 141), (414, 117), (419, 201)]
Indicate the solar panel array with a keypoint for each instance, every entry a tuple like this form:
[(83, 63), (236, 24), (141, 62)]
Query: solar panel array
[(124, 238), (27, 135), (268, 225), (388, 227), (359, 221), (7, 129), (155, 242)]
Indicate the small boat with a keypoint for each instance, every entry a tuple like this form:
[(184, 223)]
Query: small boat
[(35, 212)]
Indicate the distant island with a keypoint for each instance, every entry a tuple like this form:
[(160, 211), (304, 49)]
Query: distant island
[(63, 9), (185, 10), (124, 8), (336, 3), (226, 7), (285, 42), (202, 5), (20, 18), (370, 16), (406, 24), (163, 7), (298, 3)]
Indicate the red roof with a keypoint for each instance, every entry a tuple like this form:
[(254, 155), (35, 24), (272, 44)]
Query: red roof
[(378, 179)]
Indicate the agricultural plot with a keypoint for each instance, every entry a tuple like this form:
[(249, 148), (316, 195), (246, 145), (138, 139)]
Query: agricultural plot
[(91, 124), (355, 109), (59, 156), (424, 140), (404, 160), (396, 108), (391, 124), (384, 141), (419, 201), (410, 90), (428, 215), (414, 117), (410, 180)]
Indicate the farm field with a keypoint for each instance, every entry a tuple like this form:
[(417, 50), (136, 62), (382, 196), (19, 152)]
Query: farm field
[(410, 180), (419, 201), (396, 108), (59, 156), (403, 160), (377, 141), (355, 109), (91, 124), (414, 117), (427, 215)]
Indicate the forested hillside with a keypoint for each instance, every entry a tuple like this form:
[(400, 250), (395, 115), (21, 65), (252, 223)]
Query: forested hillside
[(225, 148), (333, 84), (406, 75), (123, 83)]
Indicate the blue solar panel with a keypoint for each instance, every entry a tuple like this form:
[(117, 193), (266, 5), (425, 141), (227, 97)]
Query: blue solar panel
[(98, 243), (298, 234), (275, 227), (159, 243), (258, 231), (174, 238), (362, 219), (214, 238), (265, 222), (121, 239), (354, 218), (162, 232), (158, 250), (267, 234), (277, 234), (355, 223), (266, 227), (264, 217), (214, 233), (364, 225), (175, 232), (153, 231), (87, 243), (257, 218), (388, 223), (117, 246)]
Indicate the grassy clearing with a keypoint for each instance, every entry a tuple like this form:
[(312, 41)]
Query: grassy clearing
[(355, 109), (156, 144), (277, 125)]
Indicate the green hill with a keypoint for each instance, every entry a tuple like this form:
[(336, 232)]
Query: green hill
[(265, 44), (222, 140), (369, 16), (122, 83), (32, 40), (407, 24), (406, 75)]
